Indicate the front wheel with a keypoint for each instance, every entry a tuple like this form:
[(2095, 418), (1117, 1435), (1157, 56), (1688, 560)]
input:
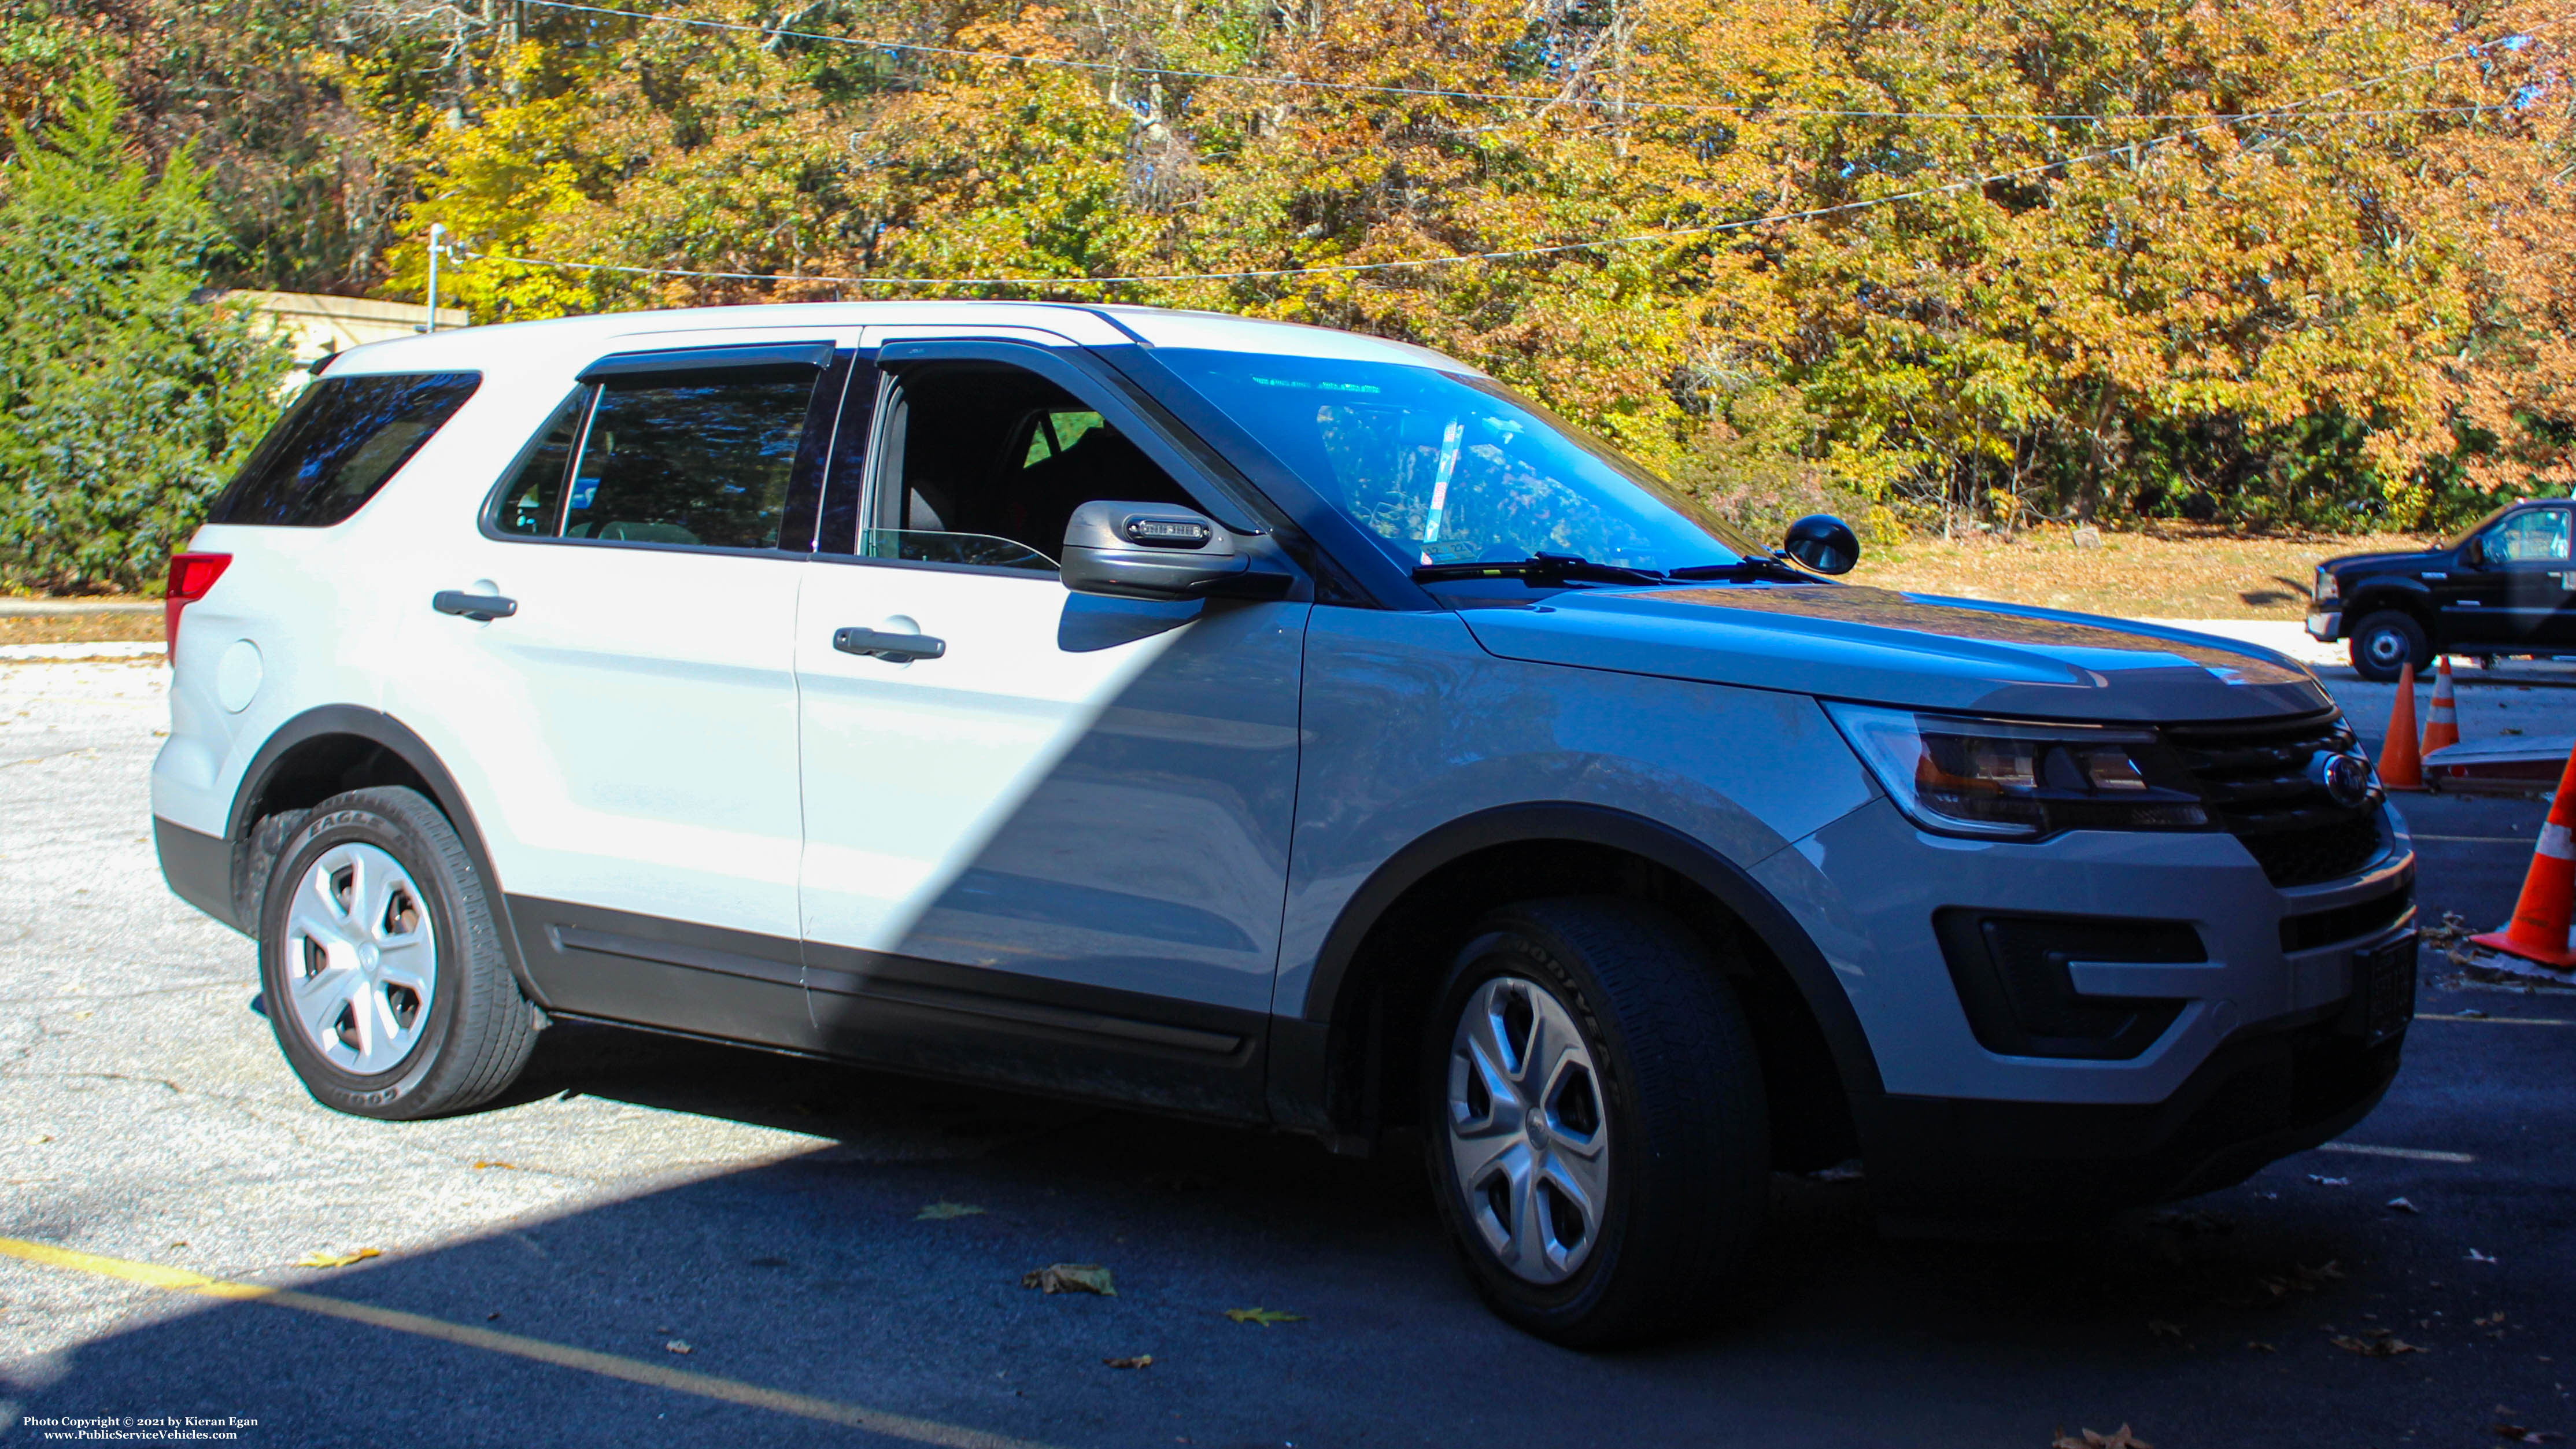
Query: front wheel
[(381, 966), (1598, 1138), (2386, 640)]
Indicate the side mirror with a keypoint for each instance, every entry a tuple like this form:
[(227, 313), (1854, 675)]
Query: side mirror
[(1824, 543), (2473, 554), (1150, 551)]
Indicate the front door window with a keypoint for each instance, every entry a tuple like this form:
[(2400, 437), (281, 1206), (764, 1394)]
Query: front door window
[(2537, 536)]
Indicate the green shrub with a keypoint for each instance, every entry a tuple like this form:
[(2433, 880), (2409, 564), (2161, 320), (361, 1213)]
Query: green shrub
[(125, 399)]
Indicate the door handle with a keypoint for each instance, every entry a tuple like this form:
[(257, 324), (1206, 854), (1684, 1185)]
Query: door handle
[(482, 608), (894, 648)]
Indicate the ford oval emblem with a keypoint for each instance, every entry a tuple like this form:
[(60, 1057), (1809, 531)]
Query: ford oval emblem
[(2346, 778)]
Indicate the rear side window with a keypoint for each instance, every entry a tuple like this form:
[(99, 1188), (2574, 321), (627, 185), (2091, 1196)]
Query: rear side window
[(701, 459), (337, 445)]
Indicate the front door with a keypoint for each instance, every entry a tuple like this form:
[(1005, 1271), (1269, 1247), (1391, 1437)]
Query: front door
[(1046, 835), (2527, 551), (625, 718)]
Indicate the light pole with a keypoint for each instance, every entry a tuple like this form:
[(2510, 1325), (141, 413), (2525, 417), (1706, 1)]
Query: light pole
[(437, 244)]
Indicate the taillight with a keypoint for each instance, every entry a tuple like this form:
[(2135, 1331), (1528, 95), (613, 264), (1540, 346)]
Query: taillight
[(191, 575)]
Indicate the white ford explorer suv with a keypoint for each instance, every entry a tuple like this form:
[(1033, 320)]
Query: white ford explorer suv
[(1262, 723)]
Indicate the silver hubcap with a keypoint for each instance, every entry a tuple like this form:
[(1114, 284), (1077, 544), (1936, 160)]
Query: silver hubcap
[(2386, 646), (1527, 1134), (361, 959)]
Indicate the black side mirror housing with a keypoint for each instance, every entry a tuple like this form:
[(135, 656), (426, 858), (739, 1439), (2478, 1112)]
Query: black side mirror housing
[(1824, 543), (1158, 551)]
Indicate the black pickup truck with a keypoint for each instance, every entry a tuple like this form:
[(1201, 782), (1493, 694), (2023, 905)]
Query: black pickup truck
[(2505, 586)]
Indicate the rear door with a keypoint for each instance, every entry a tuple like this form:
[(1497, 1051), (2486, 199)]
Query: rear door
[(1050, 845), (611, 662)]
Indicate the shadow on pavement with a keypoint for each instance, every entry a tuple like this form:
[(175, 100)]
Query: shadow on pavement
[(814, 1275)]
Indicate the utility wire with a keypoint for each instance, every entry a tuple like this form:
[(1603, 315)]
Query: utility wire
[(1503, 97), (2135, 148)]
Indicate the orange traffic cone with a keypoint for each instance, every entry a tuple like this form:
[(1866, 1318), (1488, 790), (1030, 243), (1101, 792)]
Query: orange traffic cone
[(2442, 726), (2401, 765), (2538, 930)]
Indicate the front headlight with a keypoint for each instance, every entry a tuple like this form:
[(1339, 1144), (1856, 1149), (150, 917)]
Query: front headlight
[(2013, 780), (2329, 588)]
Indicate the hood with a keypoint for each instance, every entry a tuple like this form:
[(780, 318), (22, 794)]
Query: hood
[(2366, 562), (1916, 650)]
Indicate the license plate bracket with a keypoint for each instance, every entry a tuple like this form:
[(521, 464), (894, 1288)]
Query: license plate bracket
[(2383, 988)]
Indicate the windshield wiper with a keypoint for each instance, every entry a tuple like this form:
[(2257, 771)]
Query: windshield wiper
[(1539, 568), (1748, 568), (1557, 568)]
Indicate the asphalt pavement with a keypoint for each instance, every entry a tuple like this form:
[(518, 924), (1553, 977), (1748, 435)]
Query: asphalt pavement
[(656, 1241)]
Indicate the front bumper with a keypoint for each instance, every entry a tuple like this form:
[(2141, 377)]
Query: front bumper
[(2325, 626), (2256, 1061), (2259, 1097)]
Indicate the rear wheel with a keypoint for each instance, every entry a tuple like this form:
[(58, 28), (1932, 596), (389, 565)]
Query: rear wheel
[(381, 965), (1596, 1128), (2386, 640)]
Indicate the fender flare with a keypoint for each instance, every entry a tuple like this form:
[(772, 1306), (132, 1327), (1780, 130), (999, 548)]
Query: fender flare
[(398, 740), (2413, 596), (1854, 1063)]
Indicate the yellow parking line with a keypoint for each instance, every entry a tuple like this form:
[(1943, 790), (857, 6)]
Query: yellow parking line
[(2499, 1020), (607, 1365)]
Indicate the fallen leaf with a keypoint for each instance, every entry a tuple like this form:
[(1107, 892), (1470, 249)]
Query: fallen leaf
[(2490, 1321), (1139, 1361), (1070, 1278), (678, 1345), (2379, 1344), (2259, 1346), (2120, 1438), (2162, 1329), (336, 1260), (504, 1166), (2402, 1205), (2521, 1435), (2329, 1181), (39, 1138), (940, 1212), (2477, 1257), (1263, 1316)]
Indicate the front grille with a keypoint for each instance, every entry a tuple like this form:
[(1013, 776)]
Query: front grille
[(2255, 778), (2344, 923)]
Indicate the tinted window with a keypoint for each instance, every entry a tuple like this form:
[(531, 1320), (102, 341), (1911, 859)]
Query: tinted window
[(531, 498), (991, 461), (337, 445), (1441, 468), (701, 458)]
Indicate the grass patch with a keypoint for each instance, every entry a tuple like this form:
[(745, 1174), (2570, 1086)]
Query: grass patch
[(81, 628), (2166, 571)]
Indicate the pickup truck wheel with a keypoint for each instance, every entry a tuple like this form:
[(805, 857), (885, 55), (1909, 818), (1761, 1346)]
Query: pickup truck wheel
[(2384, 641), (1596, 1129), (380, 963)]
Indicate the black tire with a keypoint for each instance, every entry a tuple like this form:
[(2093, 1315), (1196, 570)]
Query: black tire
[(474, 1034), (2384, 641), (1679, 1092)]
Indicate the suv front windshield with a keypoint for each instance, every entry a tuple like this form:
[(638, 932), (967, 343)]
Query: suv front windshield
[(1440, 468)]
